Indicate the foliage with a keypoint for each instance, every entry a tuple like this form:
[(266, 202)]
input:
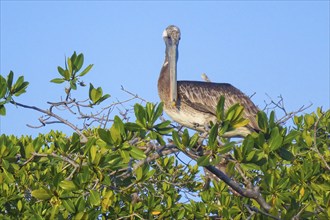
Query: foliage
[(129, 170)]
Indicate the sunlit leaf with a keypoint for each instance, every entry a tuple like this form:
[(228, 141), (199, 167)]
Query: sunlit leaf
[(86, 70), (94, 198), (41, 194), (21, 89), (68, 185), (136, 153), (220, 109), (139, 173), (58, 80), (79, 62), (176, 139)]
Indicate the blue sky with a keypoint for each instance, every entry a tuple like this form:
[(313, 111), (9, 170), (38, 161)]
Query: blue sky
[(263, 47)]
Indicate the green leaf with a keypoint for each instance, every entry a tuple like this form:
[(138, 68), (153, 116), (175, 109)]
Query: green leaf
[(132, 126), (21, 89), (86, 70), (164, 131), (103, 98), (272, 119), (3, 87), (149, 110), (68, 205), (124, 155), (41, 194), (226, 148), (9, 178), (289, 138), (238, 153), (176, 140), (212, 141), (69, 63), (185, 138), (68, 185), (193, 140), (93, 152), (262, 121), (10, 80), (204, 160), (234, 112), (2, 110), (61, 71), (309, 120), (79, 62), (136, 153), (94, 198), (249, 156), (105, 135), (67, 75), (276, 139), (91, 87), (106, 200), (94, 94), (157, 113), (240, 123), (139, 173), (164, 124), (73, 57), (285, 154), (58, 80), (73, 85), (140, 115), (117, 130), (19, 81), (221, 109)]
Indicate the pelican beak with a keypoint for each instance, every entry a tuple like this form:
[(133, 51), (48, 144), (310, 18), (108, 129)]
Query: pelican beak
[(173, 58)]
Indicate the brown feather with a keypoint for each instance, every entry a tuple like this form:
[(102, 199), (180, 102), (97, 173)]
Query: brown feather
[(204, 96)]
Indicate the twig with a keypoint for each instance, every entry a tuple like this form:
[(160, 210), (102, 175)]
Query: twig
[(134, 95), (256, 210), (48, 112)]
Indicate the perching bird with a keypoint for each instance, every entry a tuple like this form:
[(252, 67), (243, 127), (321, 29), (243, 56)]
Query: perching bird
[(193, 103)]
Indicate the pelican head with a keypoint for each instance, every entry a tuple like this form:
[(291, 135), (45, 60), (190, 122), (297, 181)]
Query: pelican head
[(171, 36)]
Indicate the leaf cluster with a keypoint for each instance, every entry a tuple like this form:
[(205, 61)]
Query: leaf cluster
[(9, 88)]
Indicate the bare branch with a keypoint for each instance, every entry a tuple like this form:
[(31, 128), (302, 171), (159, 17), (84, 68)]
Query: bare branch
[(253, 193), (48, 112), (134, 95), (280, 105)]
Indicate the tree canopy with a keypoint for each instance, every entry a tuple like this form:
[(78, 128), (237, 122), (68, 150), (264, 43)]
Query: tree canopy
[(112, 167)]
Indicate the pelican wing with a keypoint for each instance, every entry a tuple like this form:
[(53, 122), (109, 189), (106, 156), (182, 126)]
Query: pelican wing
[(204, 96)]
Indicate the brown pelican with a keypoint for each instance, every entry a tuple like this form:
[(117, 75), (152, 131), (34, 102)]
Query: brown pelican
[(193, 103)]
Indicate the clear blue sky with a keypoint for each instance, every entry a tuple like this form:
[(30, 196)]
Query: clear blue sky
[(273, 47)]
